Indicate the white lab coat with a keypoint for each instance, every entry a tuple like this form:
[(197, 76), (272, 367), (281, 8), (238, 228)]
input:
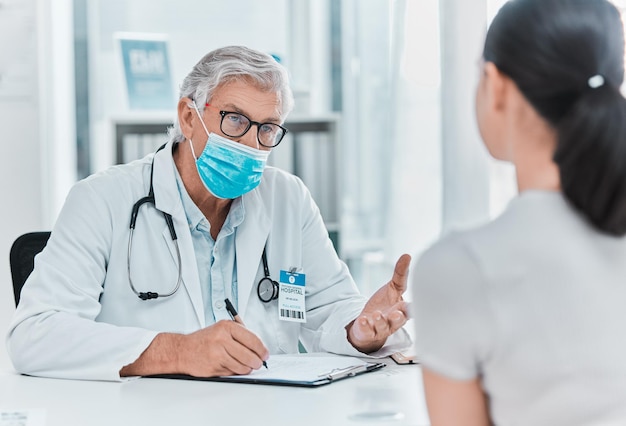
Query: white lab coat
[(78, 317)]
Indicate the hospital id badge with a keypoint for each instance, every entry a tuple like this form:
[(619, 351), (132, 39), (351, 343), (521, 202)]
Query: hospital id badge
[(291, 297)]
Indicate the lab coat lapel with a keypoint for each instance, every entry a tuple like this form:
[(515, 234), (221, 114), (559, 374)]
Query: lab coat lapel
[(249, 242), (191, 281), (167, 199)]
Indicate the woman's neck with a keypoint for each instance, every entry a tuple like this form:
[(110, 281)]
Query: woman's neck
[(538, 176), (533, 142)]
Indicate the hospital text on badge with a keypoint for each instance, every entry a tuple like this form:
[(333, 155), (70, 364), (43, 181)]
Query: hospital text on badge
[(291, 297)]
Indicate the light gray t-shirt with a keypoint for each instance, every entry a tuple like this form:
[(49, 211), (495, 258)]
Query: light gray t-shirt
[(534, 303)]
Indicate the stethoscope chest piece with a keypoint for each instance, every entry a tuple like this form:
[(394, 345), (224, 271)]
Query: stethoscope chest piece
[(267, 290)]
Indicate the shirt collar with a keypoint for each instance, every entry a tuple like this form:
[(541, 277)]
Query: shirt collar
[(194, 215)]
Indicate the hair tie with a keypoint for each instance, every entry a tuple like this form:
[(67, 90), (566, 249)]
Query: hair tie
[(596, 81)]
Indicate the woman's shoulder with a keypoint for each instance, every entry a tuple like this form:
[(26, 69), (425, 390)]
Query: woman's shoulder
[(523, 226)]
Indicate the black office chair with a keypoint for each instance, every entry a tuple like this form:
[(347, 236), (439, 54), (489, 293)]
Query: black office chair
[(22, 258)]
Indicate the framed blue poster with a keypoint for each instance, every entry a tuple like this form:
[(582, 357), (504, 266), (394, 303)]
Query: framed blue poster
[(146, 70)]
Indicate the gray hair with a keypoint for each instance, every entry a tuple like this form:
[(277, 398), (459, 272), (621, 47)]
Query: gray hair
[(233, 63)]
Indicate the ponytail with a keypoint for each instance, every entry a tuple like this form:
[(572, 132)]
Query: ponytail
[(550, 49), (591, 156)]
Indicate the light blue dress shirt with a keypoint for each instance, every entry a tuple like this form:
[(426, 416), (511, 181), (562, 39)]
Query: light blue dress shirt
[(217, 262)]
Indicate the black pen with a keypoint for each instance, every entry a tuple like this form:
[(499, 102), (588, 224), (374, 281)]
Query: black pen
[(235, 316)]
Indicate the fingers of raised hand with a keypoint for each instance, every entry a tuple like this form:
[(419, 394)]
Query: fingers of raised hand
[(372, 326), (396, 319), (363, 328), (378, 325), (402, 307)]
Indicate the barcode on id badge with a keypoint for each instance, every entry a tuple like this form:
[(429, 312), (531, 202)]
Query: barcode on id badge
[(288, 313)]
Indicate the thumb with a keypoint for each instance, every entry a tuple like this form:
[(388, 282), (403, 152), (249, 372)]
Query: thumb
[(400, 273)]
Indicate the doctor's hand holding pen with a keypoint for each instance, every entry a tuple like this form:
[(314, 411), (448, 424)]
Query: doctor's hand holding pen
[(222, 349), (384, 313)]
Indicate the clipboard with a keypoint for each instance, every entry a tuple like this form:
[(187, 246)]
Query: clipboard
[(319, 371)]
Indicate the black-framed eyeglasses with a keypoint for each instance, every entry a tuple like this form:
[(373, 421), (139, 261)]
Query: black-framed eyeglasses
[(235, 125)]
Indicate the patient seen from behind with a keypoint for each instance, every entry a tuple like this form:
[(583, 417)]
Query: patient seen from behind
[(523, 320)]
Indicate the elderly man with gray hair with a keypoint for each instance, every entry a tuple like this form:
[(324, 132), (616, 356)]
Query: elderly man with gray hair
[(146, 257)]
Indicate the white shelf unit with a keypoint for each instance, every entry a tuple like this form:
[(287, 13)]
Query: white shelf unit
[(138, 134)]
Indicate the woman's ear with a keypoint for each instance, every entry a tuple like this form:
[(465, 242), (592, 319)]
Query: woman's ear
[(185, 116), (496, 87), (492, 108)]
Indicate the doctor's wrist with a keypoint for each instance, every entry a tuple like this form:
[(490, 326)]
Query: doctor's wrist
[(162, 356), (362, 345)]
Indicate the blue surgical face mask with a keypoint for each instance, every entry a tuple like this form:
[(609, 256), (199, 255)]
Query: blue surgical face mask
[(227, 168)]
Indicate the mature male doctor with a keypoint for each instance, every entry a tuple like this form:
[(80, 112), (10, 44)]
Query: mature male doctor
[(109, 299)]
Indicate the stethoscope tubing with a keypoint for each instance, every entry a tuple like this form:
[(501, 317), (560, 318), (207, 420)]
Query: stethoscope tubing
[(149, 199), (149, 295)]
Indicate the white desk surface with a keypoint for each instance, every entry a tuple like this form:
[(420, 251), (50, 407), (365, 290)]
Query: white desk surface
[(392, 396)]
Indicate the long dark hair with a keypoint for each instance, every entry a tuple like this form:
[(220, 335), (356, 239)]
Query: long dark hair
[(551, 49)]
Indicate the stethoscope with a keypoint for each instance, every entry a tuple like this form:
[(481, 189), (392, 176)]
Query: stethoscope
[(149, 199), (267, 288)]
